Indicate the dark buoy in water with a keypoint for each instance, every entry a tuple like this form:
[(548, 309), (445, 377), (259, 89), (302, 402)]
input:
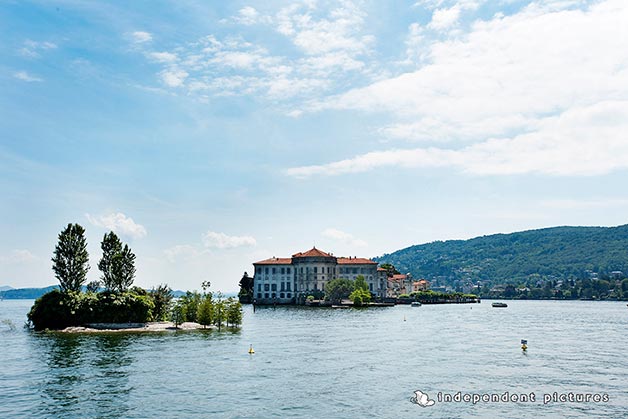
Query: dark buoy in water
[(524, 345)]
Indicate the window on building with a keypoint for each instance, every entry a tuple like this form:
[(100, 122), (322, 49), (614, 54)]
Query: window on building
[(315, 269), (283, 286), (259, 295), (282, 295), (259, 287), (355, 270), (266, 295), (288, 295), (323, 277), (259, 269), (274, 295), (342, 270), (371, 287), (288, 271), (283, 271), (315, 286), (274, 269), (287, 286), (273, 287), (301, 269), (266, 270), (266, 287)]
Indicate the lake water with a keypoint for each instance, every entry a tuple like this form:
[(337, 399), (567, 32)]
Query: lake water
[(329, 363)]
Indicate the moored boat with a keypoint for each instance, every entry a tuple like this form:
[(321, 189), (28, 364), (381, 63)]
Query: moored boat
[(416, 304), (499, 305)]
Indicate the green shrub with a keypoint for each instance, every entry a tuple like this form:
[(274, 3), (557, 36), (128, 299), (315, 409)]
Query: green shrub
[(53, 310), (58, 310), (360, 297)]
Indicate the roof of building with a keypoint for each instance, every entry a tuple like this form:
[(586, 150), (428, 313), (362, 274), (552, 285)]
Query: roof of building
[(423, 281), (312, 252), (355, 261), (274, 261), (398, 277), (380, 269)]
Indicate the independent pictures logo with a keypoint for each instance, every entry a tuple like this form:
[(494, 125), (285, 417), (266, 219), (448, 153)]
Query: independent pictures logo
[(423, 399)]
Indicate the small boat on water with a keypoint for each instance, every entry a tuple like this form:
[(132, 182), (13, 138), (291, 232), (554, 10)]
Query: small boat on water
[(416, 304), (499, 305)]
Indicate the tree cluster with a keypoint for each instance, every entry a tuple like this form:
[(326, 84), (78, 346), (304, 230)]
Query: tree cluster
[(207, 309), (586, 289), (340, 288)]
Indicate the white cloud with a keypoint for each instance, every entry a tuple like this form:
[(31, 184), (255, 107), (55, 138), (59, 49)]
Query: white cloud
[(33, 49), (341, 236), (24, 76), (444, 18), (174, 77), (119, 223), (339, 30), (414, 42), (182, 251), (536, 92), (331, 45), (223, 241), (250, 16), (582, 141), (163, 57), (295, 113), (237, 59), (141, 37)]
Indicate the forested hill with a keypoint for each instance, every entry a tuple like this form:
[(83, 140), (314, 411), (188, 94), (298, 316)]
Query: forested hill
[(549, 253)]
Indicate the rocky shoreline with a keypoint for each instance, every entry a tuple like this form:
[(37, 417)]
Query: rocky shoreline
[(135, 327)]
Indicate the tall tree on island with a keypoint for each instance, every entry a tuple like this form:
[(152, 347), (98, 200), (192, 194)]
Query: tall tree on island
[(70, 261), (117, 263), (111, 246)]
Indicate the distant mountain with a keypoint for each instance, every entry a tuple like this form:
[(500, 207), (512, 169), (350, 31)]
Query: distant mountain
[(9, 293), (5, 288), (549, 253), (26, 293)]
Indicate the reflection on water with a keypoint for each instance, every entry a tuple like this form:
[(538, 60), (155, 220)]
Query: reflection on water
[(84, 368)]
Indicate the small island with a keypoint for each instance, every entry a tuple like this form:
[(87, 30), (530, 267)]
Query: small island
[(113, 303)]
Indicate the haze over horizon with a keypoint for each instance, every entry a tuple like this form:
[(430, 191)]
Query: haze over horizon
[(210, 136)]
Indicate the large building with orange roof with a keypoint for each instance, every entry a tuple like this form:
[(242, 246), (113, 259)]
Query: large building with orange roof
[(291, 280)]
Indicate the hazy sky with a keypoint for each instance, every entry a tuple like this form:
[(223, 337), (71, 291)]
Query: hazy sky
[(210, 135)]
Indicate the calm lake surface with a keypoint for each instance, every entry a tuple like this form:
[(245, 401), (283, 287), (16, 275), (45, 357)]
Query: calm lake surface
[(327, 363)]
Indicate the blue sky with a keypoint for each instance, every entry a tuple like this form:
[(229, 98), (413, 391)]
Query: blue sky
[(210, 135)]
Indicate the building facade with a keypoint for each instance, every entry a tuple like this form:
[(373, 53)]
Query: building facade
[(291, 280)]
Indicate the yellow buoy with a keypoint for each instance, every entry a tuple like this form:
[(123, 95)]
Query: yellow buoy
[(251, 351), (524, 347)]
